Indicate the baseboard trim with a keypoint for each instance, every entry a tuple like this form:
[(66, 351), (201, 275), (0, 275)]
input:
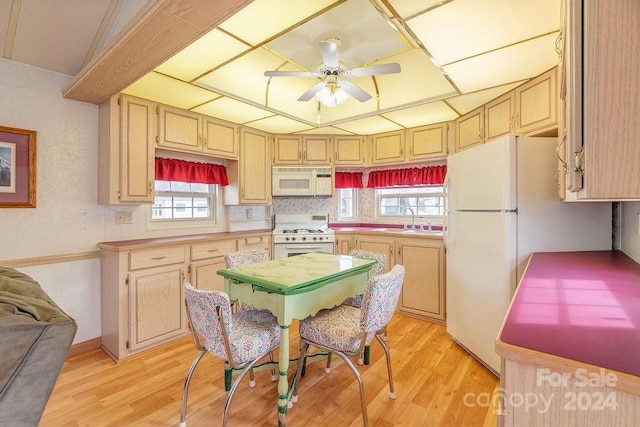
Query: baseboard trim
[(85, 346)]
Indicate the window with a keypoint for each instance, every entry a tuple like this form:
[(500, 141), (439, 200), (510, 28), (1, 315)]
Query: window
[(183, 201), (424, 201), (347, 198)]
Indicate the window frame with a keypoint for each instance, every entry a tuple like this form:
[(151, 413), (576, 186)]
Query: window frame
[(409, 192), (354, 204)]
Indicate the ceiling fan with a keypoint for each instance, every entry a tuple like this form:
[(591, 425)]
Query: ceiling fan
[(333, 89)]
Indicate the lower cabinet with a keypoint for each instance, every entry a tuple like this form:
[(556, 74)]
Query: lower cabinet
[(142, 287), (255, 242), (423, 291), (344, 243)]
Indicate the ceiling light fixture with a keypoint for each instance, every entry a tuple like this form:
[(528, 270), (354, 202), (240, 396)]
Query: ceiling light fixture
[(332, 94)]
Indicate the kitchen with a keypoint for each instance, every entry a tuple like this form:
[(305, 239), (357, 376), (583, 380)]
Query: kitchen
[(56, 243)]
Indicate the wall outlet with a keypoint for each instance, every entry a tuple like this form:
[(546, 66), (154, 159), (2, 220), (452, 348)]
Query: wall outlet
[(124, 217)]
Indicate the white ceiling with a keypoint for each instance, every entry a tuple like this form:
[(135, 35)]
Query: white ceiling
[(455, 56)]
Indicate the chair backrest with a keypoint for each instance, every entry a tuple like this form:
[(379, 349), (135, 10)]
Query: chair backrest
[(380, 298), (202, 307), (240, 258), (377, 268)]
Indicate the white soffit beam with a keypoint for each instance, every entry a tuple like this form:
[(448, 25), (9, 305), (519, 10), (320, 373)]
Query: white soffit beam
[(326, 130), (166, 90), (465, 28), (517, 62), (407, 8)]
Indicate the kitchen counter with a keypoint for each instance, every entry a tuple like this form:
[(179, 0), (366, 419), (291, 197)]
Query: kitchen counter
[(571, 338), (386, 229)]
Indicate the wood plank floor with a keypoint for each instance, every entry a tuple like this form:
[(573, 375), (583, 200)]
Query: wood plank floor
[(432, 375)]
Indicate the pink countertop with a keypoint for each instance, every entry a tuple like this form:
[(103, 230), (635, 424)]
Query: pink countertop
[(583, 306)]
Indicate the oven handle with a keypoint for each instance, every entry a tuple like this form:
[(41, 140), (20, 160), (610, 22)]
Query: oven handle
[(303, 247)]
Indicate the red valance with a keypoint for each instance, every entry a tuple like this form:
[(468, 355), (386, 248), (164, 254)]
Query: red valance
[(430, 175), (348, 180), (183, 171)]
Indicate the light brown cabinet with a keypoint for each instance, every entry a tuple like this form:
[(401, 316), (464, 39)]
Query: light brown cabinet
[(601, 95), (423, 291), (298, 150), (186, 131), (344, 243), (499, 116), (206, 259), (470, 129), (255, 242), (126, 140), (536, 105), (250, 177), (427, 142), (388, 147), (349, 150)]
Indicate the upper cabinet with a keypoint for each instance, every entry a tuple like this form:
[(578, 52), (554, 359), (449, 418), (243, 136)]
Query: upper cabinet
[(127, 133), (298, 149), (427, 142), (529, 109), (388, 147), (601, 99), (349, 150), (186, 131), (250, 176)]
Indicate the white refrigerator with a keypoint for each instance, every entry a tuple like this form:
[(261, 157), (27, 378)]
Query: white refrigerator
[(502, 205)]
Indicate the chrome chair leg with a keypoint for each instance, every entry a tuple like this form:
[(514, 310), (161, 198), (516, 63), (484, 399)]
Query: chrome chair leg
[(327, 369), (234, 387), (185, 390), (363, 402), (304, 347), (392, 393)]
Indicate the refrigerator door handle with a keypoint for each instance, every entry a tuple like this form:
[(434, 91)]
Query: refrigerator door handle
[(445, 216)]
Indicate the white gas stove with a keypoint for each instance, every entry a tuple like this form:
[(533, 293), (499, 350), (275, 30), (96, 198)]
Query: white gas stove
[(296, 234)]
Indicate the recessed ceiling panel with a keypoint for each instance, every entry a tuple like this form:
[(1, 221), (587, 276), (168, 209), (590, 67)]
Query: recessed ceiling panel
[(206, 53), (369, 126), (279, 124), (465, 103), (409, 8), (231, 110), (434, 112), (262, 19), (521, 61), (465, 28), (166, 90)]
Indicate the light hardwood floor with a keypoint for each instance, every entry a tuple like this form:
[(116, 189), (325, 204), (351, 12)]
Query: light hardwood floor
[(432, 375)]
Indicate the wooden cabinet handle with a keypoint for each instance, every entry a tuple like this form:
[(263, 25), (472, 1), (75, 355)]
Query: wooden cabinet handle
[(213, 250), (157, 258)]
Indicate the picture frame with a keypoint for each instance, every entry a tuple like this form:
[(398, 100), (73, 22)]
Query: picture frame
[(17, 168)]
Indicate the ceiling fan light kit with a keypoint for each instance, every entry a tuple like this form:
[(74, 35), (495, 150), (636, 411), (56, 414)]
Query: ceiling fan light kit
[(332, 91)]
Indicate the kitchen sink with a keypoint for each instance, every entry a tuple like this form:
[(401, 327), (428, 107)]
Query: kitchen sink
[(409, 231)]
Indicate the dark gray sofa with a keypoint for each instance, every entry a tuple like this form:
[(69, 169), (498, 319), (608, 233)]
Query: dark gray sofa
[(35, 336)]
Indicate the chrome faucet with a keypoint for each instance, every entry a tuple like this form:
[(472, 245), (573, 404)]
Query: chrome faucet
[(413, 218)]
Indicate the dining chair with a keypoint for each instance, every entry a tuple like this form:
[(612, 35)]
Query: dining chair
[(240, 339), (376, 269), (240, 258), (345, 330)]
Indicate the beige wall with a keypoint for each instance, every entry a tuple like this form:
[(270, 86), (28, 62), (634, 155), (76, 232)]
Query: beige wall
[(630, 240)]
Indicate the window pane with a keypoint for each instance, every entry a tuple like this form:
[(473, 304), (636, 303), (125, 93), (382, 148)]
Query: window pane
[(177, 186), (183, 201), (162, 186)]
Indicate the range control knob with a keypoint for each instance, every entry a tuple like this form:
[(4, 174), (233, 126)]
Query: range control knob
[(315, 238)]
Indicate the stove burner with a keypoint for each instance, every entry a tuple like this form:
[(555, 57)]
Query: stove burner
[(303, 230)]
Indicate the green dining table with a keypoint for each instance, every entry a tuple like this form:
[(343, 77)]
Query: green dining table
[(296, 288)]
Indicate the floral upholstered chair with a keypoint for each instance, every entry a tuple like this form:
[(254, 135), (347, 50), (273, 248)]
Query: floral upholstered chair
[(240, 339), (345, 330), (240, 258)]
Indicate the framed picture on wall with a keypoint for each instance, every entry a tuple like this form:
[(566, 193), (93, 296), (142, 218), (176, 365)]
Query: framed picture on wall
[(17, 168)]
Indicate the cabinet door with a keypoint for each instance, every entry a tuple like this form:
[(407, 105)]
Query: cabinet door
[(499, 116), (250, 176), (469, 129), (287, 150), (220, 138), (179, 129), (204, 274), (137, 152), (388, 147), (255, 242), (349, 150), (536, 103), (423, 288), (427, 142), (156, 305), (384, 245), (344, 243), (316, 150)]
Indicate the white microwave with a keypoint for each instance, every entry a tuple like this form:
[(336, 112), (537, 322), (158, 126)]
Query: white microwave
[(307, 181)]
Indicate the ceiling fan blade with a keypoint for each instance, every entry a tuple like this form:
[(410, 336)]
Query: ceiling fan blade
[(355, 91), (290, 74), (330, 54), (373, 70), (312, 91)]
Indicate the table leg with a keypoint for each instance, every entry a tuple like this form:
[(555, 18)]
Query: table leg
[(283, 381)]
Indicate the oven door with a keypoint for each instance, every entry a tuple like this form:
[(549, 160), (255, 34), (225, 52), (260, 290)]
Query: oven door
[(284, 250)]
